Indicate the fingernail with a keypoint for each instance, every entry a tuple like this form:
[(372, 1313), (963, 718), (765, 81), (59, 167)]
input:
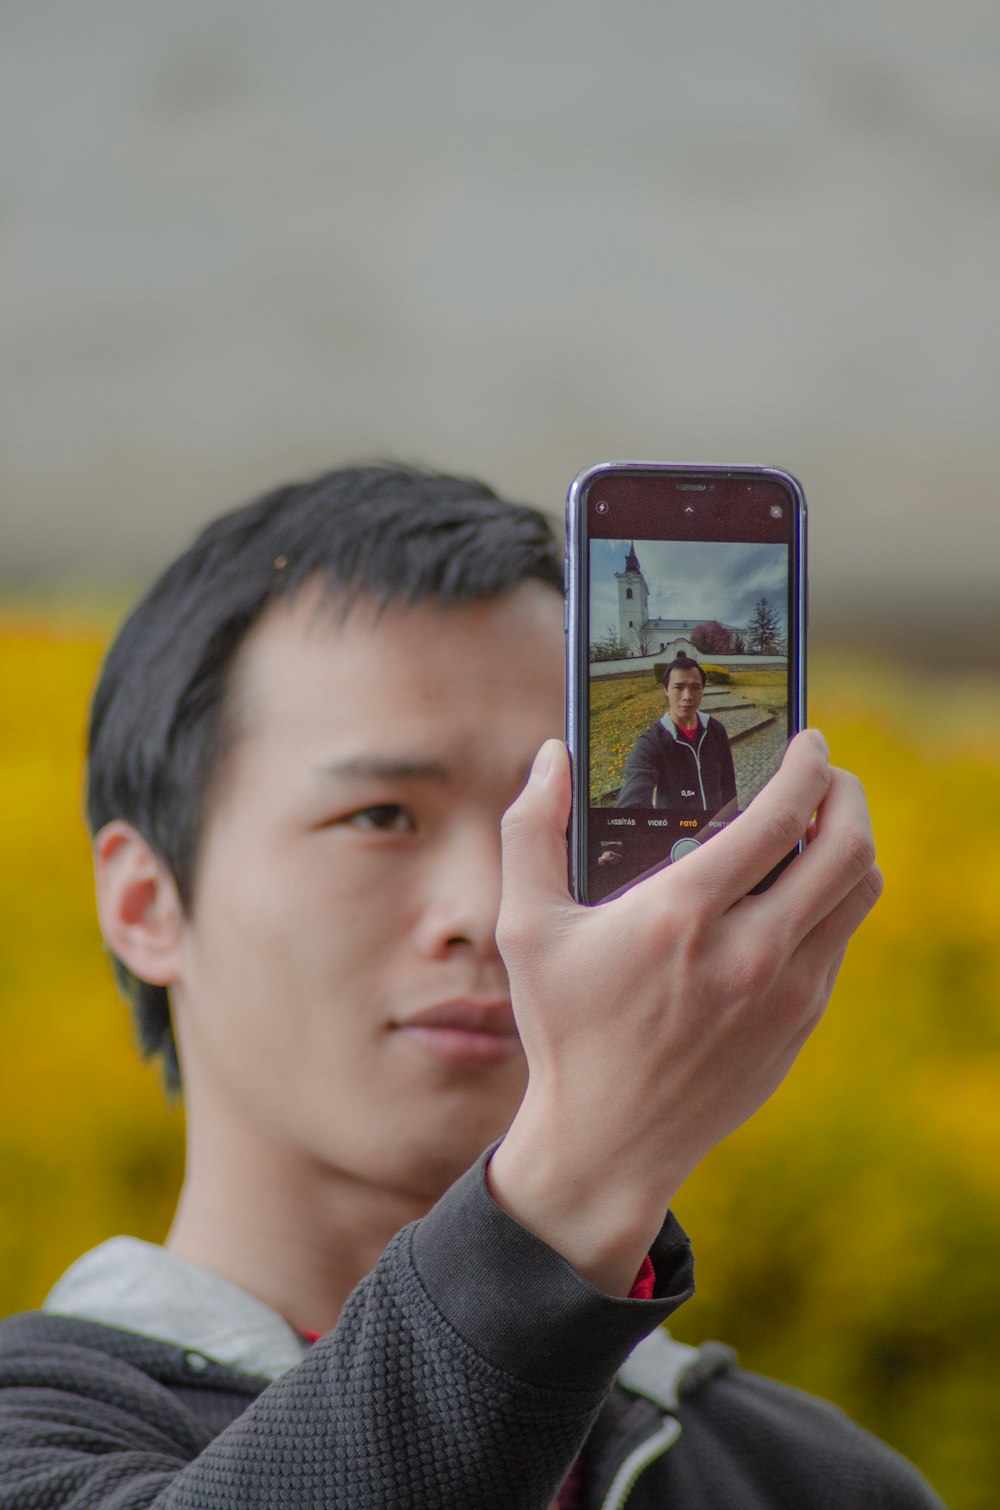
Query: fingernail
[(543, 760)]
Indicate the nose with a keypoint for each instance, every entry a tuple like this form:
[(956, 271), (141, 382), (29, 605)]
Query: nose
[(462, 899)]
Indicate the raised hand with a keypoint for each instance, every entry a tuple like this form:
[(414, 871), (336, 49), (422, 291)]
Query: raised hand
[(658, 1022)]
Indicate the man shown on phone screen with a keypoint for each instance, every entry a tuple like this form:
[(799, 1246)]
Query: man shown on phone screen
[(683, 762), (423, 1248)]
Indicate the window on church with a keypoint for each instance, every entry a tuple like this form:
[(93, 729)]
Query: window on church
[(628, 592), (630, 624)]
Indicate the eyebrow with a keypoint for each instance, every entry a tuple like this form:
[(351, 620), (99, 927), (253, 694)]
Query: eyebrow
[(386, 768)]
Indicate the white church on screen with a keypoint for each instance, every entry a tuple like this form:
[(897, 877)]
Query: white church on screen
[(643, 635)]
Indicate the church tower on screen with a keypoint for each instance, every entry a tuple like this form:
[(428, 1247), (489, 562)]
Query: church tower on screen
[(633, 604)]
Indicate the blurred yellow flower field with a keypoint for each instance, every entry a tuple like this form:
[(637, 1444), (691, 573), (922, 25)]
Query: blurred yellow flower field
[(847, 1240), (87, 1145)]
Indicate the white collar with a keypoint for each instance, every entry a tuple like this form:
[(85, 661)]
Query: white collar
[(142, 1287)]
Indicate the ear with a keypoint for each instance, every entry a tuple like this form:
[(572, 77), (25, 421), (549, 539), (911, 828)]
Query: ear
[(137, 902)]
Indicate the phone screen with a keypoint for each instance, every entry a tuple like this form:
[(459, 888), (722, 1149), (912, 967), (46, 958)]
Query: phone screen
[(689, 656)]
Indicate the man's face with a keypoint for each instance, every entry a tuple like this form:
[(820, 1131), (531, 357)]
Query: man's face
[(341, 996), (684, 690)]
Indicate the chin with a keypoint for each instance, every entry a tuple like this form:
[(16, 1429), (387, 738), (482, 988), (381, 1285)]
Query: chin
[(428, 1172)]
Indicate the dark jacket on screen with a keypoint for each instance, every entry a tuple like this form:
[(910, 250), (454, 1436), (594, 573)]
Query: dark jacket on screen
[(665, 770)]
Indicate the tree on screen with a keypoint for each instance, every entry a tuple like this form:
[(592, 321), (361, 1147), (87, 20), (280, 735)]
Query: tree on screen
[(764, 629), (712, 638), (610, 647)]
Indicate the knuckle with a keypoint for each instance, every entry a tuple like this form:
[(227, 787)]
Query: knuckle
[(511, 938), (515, 827), (520, 929), (787, 825), (512, 818), (511, 923), (872, 885), (859, 851), (817, 767), (763, 973)]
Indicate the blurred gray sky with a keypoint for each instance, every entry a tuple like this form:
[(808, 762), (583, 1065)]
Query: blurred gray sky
[(243, 242)]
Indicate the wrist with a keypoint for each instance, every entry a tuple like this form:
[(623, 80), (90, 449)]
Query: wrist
[(520, 1305), (600, 1219)]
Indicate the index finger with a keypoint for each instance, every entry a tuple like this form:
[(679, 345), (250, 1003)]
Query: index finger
[(720, 874)]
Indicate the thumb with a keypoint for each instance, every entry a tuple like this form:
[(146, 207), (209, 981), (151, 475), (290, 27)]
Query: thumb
[(533, 835)]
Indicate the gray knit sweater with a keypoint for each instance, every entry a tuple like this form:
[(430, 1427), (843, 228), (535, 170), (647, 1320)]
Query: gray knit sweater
[(466, 1373)]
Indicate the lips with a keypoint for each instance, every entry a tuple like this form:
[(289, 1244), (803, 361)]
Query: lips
[(462, 1032)]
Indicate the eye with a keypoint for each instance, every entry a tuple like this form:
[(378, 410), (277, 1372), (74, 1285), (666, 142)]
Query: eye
[(384, 818)]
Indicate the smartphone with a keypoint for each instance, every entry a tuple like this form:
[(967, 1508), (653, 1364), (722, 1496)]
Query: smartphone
[(686, 625)]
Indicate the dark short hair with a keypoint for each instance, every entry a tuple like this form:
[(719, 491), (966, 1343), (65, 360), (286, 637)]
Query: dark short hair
[(682, 662), (157, 727)]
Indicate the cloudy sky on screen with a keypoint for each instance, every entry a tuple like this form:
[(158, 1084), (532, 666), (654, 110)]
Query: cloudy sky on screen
[(690, 579)]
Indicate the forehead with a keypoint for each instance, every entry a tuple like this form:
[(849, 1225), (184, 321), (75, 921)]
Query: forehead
[(678, 678), (310, 672)]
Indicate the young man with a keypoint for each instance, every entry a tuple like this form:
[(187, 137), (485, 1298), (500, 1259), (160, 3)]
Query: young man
[(303, 744), (683, 761)]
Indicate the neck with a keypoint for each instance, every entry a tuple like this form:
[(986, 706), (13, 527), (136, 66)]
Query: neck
[(686, 720), (297, 1235)]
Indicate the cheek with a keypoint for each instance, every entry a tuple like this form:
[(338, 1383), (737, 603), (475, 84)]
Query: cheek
[(322, 922)]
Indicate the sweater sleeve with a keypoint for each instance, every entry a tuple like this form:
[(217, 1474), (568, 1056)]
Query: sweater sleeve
[(465, 1370), (641, 773)]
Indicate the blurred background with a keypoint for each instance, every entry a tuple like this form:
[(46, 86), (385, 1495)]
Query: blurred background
[(243, 243)]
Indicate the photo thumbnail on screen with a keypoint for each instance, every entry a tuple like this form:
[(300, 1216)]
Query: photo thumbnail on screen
[(689, 693)]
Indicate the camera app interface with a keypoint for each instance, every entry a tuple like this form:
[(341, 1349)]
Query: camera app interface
[(689, 657)]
